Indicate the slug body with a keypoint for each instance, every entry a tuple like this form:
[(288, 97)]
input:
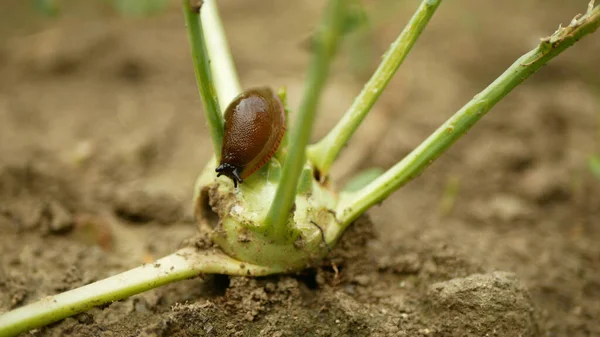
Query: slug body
[(254, 127)]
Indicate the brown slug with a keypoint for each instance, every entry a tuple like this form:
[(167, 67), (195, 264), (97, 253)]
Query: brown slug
[(254, 127)]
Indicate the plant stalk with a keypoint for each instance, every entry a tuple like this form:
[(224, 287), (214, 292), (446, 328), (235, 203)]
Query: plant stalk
[(221, 62), (324, 153), (203, 74), (282, 152), (184, 264), (325, 45), (420, 158)]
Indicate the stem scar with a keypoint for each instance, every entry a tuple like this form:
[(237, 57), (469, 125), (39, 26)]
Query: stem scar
[(195, 5)]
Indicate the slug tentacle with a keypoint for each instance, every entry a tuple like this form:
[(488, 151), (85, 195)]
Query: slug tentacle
[(230, 171)]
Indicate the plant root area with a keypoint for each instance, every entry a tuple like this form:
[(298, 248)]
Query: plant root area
[(102, 135)]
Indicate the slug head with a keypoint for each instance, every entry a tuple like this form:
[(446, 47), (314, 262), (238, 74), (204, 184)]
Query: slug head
[(231, 171)]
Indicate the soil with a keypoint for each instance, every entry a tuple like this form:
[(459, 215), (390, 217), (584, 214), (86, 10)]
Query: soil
[(102, 135)]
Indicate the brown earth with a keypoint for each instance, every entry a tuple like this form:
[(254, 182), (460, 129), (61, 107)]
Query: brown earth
[(102, 135)]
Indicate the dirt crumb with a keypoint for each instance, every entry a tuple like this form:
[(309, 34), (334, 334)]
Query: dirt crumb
[(493, 304), (32, 199), (137, 206)]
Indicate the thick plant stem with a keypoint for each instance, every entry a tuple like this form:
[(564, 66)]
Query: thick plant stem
[(204, 76), (325, 45), (222, 66), (324, 153), (184, 264), (283, 146), (413, 164)]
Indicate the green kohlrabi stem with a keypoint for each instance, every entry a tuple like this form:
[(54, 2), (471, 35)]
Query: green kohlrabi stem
[(324, 44), (225, 77), (412, 165), (184, 264), (283, 146), (204, 76), (324, 153)]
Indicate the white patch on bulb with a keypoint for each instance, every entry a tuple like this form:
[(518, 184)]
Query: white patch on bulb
[(237, 209)]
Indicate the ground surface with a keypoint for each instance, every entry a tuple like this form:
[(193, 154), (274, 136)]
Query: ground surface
[(101, 136)]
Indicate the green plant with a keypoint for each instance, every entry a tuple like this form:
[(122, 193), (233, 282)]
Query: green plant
[(124, 7), (594, 160), (287, 215), (594, 164)]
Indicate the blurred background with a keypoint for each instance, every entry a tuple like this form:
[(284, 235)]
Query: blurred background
[(99, 108)]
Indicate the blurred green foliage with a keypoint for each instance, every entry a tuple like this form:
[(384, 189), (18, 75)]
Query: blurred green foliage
[(48, 7), (124, 7), (138, 7), (362, 179), (356, 17), (357, 28), (594, 165)]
